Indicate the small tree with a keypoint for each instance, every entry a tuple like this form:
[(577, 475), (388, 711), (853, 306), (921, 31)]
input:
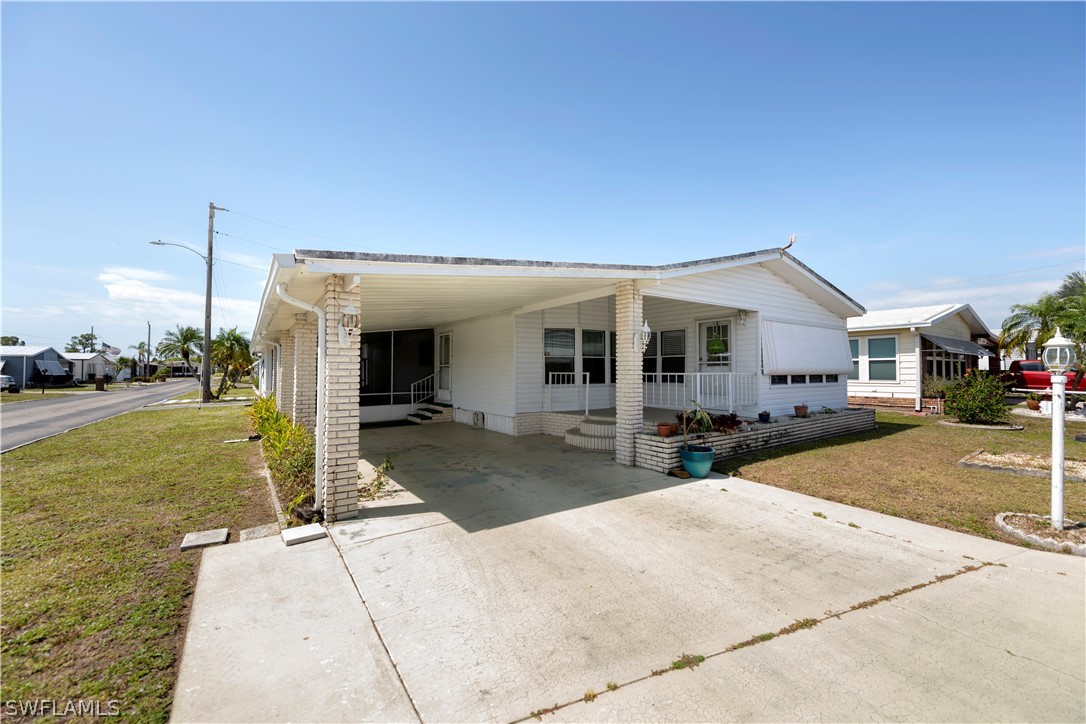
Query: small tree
[(86, 342), (10, 340), (977, 399)]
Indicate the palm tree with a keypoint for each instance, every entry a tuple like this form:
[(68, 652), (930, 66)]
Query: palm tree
[(143, 355), (123, 362), (1035, 322), (1074, 285), (182, 342), (230, 353)]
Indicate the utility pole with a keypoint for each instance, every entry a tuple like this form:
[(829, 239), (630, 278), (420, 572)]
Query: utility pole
[(147, 369), (205, 363)]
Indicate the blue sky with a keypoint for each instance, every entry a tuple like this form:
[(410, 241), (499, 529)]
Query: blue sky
[(923, 153)]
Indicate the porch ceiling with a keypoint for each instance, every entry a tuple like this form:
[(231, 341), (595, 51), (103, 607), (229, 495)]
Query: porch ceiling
[(407, 302)]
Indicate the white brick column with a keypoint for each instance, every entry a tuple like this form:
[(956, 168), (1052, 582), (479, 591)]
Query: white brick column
[(305, 371), (629, 391), (341, 381), (284, 397)]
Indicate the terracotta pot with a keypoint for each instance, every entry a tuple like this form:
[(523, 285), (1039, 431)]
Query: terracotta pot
[(1033, 404), (663, 429), (801, 410)]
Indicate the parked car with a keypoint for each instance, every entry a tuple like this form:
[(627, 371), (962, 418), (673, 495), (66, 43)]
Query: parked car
[(1031, 374), (7, 383)]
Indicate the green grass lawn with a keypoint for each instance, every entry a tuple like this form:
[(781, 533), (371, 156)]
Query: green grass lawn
[(908, 468), (242, 390), (95, 592)]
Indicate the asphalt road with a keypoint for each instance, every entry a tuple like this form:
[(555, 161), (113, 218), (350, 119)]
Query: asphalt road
[(26, 422)]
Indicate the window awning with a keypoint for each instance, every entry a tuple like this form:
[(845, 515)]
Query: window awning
[(958, 346), (50, 367), (795, 349)]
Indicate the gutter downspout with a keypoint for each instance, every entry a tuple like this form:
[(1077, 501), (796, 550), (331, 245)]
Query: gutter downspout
[(919, 370), (277, 368), (280, 290)]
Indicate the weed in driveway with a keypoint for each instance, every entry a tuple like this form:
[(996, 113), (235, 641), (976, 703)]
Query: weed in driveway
[(590, 696), (817, 514)]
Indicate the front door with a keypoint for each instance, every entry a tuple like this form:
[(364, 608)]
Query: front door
[(444, 367), (714, 357)]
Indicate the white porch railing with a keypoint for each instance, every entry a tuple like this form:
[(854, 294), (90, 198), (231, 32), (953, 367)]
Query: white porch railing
[(422, 390), (563, 389), (712, 390)]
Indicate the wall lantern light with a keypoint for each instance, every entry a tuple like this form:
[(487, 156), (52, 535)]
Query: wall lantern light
[(642, 338), (348, 325)]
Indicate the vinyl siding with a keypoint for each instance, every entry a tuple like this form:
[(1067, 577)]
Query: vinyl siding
[(905, 386), (482, 364)]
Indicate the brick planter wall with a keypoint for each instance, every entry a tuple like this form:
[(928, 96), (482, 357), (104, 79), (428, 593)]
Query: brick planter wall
[(898, 403), (662, 453)]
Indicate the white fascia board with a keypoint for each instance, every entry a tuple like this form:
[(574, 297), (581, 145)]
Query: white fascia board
[(332, 266), (826, 295), (715, 266), (269, 302)]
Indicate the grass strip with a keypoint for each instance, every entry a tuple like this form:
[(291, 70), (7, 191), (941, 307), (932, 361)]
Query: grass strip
[(95, 591)]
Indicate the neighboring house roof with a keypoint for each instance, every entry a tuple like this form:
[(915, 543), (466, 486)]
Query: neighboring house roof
[(918, 317), (25, 351), (82, 356), (442, 289)]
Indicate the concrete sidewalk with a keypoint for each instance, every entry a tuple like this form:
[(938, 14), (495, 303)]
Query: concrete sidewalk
[(280, 634)]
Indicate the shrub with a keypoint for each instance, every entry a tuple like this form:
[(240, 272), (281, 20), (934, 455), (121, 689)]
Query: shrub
[(934, 386), (289, 451), (977, 399)]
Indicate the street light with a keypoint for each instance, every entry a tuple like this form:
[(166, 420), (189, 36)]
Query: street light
[(205, 362), (1058, 356)]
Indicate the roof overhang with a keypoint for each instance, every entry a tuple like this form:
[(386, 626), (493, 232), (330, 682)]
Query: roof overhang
[(407, 291)]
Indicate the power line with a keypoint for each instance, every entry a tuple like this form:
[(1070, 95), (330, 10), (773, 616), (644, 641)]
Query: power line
[(235, 263), (247, 241), (302, 231), (974, 279)]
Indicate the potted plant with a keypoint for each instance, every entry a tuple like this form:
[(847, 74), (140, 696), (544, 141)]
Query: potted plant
[(666, 429), (697, 459), (1033, 401), (801, 410), (763, 416)]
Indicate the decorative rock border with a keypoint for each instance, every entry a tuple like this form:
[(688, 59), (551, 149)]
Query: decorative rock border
[(1037, 414), (1006, 428), (1078, 549), (967, 462)]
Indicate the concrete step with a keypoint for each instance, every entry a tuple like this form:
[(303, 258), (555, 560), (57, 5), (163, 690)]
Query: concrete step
[(428, 414), (576, 438), (597, 427)]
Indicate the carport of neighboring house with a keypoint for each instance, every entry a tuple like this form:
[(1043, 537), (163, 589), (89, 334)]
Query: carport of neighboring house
[(516, 346)]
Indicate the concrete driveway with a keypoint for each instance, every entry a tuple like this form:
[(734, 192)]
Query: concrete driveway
[(515, 574)]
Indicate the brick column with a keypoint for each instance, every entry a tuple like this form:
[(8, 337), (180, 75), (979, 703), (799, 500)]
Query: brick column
[(341, 387), (284, 397), (305, 371), (629, 391)]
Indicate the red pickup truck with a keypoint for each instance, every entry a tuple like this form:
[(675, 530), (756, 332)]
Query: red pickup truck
[(1031, 374)]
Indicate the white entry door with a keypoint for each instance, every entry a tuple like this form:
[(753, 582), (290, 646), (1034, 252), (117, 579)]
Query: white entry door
[(444, 367), (715, 346)]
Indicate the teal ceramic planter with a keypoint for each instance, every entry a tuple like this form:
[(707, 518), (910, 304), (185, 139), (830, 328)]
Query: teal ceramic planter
[(697, 460)]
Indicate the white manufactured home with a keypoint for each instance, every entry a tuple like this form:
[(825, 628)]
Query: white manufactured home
[(894, 349), (516, 346)]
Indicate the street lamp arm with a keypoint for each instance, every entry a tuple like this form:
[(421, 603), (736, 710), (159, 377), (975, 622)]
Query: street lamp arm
[(159, 242)]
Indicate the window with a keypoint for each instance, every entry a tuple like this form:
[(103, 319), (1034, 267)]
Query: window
[(559, 350), (799, 379), (718, 345), (673, 351), (594, 355), (815, 379), (831, 378), (854, 345), (778, 380), (882, 359)]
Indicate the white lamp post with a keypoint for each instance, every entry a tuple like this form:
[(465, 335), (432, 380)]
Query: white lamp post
[(1058, 356)]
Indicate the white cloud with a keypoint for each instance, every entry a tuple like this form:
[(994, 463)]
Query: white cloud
[(128, 272), (1062, 251)]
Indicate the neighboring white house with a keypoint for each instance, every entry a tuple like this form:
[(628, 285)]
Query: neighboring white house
[(34, 364), (85, 366), (893, 349), (506, 345)]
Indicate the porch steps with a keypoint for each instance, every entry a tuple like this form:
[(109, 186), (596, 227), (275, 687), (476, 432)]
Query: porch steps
[(431, 413), (592, 433)]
